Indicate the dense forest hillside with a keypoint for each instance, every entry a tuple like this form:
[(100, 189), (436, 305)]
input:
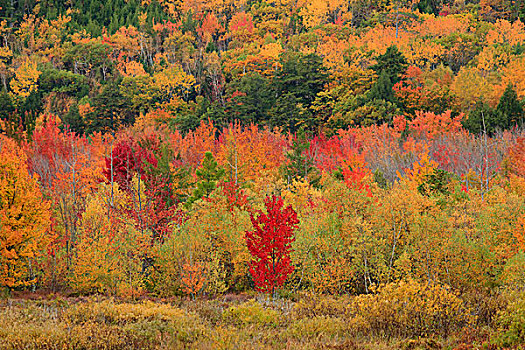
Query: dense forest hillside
[(262, 174), (317, 66)]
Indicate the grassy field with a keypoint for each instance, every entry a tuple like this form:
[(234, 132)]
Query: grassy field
[(421, 320)]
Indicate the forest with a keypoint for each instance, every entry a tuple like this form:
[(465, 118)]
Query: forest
[(262, 174)]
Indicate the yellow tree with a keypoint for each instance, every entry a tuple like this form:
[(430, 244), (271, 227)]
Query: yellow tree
[(24, 218), (398, 211), (514, 74), (206, 253), (25, 79), (247, 152), (109, 251), (5, 54), (173, 83), (316, 12), (470, 86)]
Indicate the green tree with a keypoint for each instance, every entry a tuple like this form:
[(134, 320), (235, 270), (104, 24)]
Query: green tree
[(30, 110), (111, 110), (480, 119), (91, 59), (7, 109), (297, 84), (209, 174), (290, 114), (252, 99), (382, 89), (74, 120), (300, 164), (381, 104), (392, 62), (429, 6), (509, 111), (63, 82)]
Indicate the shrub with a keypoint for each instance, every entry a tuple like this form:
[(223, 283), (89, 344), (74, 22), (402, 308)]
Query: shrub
[(109, 312), (409, 309), (98, 325), (253, 313), (511, 321)]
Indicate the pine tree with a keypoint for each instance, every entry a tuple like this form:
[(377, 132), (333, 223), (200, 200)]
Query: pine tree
[(509, 111), (7, 109), (392, 62), (254, 97), (111, 110), (382, 89), (74, 120), (390, 66), (297, 84), (300, 165), (30, 110), (209, 174), (480, 119)]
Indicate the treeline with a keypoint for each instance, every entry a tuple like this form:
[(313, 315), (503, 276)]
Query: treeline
[(93, 16), (148, 208)]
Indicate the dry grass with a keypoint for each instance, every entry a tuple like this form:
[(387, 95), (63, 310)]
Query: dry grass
[(230, 322)]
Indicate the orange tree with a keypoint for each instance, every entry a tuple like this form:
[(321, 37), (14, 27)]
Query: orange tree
[(24, 218)]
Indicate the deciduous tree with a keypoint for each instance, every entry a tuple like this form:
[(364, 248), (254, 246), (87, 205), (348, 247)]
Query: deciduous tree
[(24, 218), (270, 244)]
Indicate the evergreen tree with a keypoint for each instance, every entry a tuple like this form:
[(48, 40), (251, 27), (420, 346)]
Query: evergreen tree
[(380, 102), (392, 62), (7, 109), (480, 119), (252, 100), (110, 110), (297, 84), (435, 183), (289, 113), (206, 111), (300, 165), (429, 6), (74, 120), (382, 89), (209, 174), (509, 111), (30, 110)]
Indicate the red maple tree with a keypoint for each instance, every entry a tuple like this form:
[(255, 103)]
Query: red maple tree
[(270, 244)]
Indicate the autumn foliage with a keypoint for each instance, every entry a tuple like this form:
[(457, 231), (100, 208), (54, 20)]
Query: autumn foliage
[(355, 156), (271, 243), (24, 218)]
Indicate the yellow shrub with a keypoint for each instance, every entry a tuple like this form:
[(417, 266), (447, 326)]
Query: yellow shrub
[(251, 312), (511, 321), (98, 325), (514, 271), (410, 308), (42, 327)]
